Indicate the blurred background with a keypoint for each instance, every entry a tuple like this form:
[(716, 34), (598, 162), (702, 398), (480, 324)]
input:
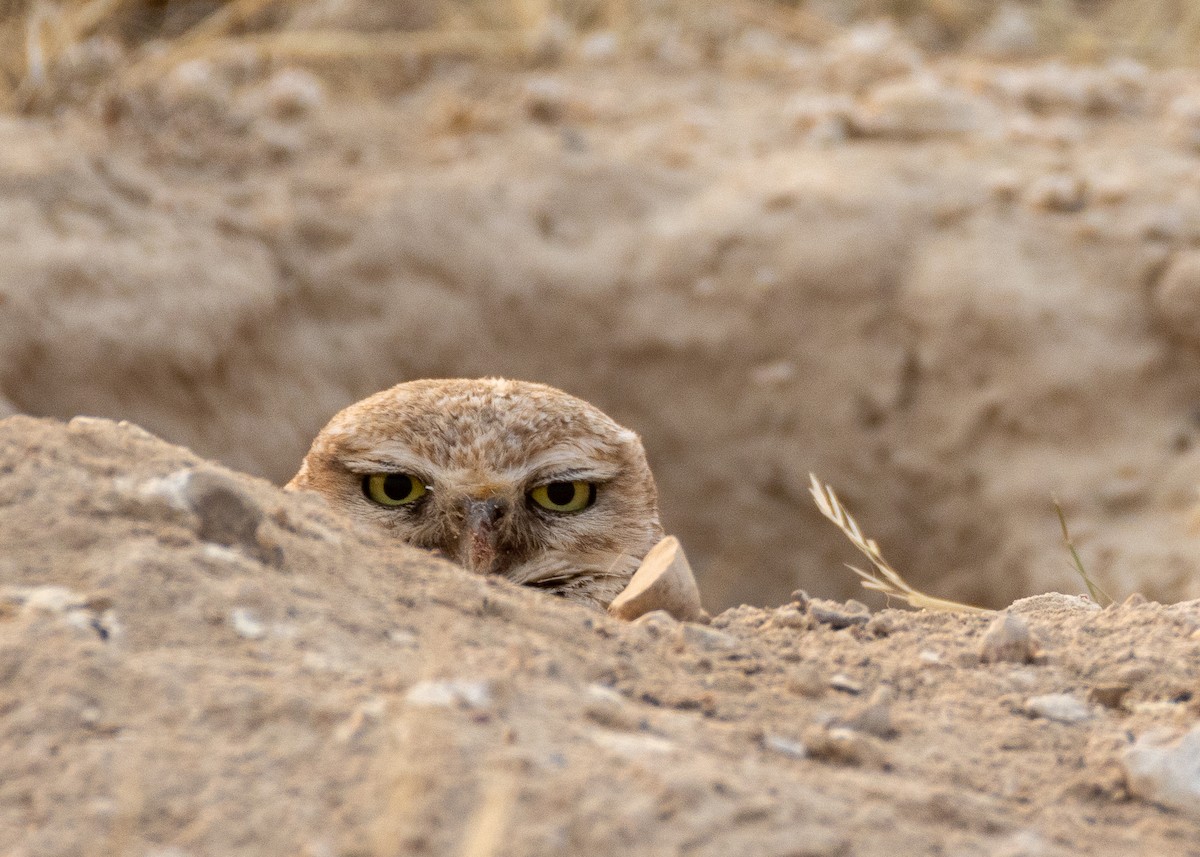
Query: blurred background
[(943, 253)]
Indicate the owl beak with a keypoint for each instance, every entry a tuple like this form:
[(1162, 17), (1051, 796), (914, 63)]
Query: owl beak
[(477, 546)]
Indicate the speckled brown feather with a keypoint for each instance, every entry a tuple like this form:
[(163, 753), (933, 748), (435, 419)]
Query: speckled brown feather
[(468, 439)]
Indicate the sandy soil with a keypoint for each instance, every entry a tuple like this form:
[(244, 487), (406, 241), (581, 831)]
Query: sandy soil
[(952, 287), (195, 662)]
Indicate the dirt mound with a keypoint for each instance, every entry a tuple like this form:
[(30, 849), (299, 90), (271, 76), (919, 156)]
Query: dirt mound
[(952, 288), (194, 662)]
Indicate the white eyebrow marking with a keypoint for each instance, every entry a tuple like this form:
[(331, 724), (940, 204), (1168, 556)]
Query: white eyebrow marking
[(388, 459), (568, 460)]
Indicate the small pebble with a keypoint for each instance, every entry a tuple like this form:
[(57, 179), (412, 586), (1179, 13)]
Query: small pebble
[(246, 624), (1008, 639), (845, 684), (836, 616), (450, 693), (846, 747), (789, 617), (786, 746), (706, 639), (228, 514), (920, 109), (656, 623), (1059, 707), (874, 719), (1166, 772), (605, 707)]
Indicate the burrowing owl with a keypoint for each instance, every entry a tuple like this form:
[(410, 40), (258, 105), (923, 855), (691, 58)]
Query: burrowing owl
[(503, 477)]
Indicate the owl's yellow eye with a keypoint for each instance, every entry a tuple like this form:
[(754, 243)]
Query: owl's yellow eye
[(564, 496), (393, 489)]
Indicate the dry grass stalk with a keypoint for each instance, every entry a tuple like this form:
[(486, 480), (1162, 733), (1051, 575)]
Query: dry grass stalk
[(883, 578), (315, 45), (1094, 591)]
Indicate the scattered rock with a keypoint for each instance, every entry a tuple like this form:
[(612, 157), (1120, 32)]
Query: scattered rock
[(605, 707), (875, 718), (656, 623), (787, 746), (1059, 707), (47, 599), (229, 516), (1166, 772), (844, 746), (450, 693), (920, 109), (845, 684), (883, 624), (789, 617), (246, 624), (706, 639), (838, 616), (1008, 639), (800, 599), (630, 745)]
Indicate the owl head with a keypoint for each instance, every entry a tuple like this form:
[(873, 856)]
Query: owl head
[(505, 478)]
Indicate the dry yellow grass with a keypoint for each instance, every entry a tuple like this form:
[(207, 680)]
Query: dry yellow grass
[(882, 578)]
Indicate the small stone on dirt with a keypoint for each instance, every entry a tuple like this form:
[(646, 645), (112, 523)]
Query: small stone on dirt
[(1059, 707), (450, 693), (789, 617), (846, 747), (708, 640), (845, 684), (838, 616), (787, 746), (229, 516), (1164, 772), (656, 623), (246, 624), (1008, 639)]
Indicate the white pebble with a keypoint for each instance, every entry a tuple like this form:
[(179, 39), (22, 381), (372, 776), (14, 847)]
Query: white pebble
[(1059, 707), (450, 693), (1166, 773), (246, 624)]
